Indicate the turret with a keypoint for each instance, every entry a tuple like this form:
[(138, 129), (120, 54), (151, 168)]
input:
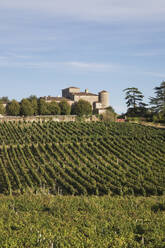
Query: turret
[(104, 98)]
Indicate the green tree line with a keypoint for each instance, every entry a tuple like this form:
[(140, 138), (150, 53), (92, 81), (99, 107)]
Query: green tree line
[(154, 111), (37, 106)]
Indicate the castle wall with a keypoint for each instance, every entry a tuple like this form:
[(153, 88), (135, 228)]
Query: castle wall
[(90, 99), (74, 90), (70, 102), (97, 105), (58, 118), (67, 93)]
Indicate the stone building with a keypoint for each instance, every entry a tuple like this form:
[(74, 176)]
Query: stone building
[(98, 101)]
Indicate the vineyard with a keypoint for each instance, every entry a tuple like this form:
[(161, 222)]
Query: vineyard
[(45, 221), (82, 158)]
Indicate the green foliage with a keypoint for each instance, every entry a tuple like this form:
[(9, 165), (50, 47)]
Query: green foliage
[(158, 102), (46, 108), (4, 99), (159, 117), (26, 108), (109, 115), (134, 101), (2, 109), (133, 97), (34, 102), (79, 158), (53, 108), (138, 112), (65, 108), (110, 109), (43, 107), (13, 108), (81, 108), (45, 221)]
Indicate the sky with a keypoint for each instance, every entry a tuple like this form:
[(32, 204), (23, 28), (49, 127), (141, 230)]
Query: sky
[(46, 46)]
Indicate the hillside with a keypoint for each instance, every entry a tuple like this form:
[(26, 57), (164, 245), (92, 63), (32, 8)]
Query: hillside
[(82, 158)]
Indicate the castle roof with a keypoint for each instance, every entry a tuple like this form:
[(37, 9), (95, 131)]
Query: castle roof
[(51, 98), (72, 87), (103, 91), (84, 94)]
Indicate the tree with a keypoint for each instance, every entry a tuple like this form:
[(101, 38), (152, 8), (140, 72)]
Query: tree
[(13, 108), (133, 97), (134, 100), (43, 107), (4, 99), (65, 108), (81, 108), (158, 102), (109, 114), (110, 109), (53, 108), (26, 108), (34, 101), (2, 109)]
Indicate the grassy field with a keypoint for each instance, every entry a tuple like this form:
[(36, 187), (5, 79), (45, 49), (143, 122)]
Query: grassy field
[(76, 221)]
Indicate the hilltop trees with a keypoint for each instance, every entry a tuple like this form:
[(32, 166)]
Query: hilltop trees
[(33, 106), (26, 107), (48, 108), (42, 107), (109, 115), (158, 103), (81, 108), (53, 108), (2, 109), (134, 102), (133, 97), (34, 102), (65, 108), (137, 108), (13, 108), (4, 99)]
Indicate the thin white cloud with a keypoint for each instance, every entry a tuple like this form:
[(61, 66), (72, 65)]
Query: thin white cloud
[(85, 66), (13, 60), (99, 10), (17, 56), (91, 66)]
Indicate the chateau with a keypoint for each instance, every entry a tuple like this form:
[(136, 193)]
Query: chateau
[(98, 101)]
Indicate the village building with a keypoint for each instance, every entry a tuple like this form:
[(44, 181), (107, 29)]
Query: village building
[(98, 101)]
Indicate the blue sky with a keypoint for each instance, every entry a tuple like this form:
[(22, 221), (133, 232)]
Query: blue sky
[(96, 44)]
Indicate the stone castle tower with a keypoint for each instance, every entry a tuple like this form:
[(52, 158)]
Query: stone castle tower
[(104, 98)]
